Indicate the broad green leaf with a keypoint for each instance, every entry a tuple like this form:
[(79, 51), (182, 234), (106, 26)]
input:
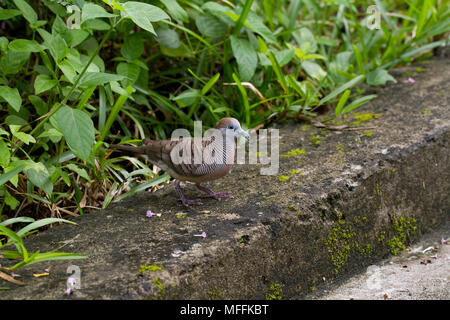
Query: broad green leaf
[(24, 45), (256, 24), (130, 71), (6, 14), (175, 10), (3, 44), (305, 39), (68, 70), (40, 223), (80, 171), (168, 38), (12, 202), (10, 173), (39, 176), (12, 62), (4, 154), (132, 47), (98, 78), (284, 56), (78, 130), (43, 83), (27, 11), (246, 57), (92, 11), (187, 97), (39, 104), (12, 96), (58, 47), (181, 51), (210, 25), (314, 70), (379, 77), (144, 14)]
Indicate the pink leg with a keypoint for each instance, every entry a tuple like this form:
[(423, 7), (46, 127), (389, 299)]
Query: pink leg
[(215, 195), (183, 199)]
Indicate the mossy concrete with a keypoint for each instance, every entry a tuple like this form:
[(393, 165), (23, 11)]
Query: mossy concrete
[(355, 193)]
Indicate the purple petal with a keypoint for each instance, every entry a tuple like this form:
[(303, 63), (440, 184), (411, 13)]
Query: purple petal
[(149, 213), (204, 234), (411, 80)]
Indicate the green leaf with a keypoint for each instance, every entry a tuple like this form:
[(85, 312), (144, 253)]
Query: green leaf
[(25, 137), (24, 45), (6, 14), (132, 47), (78, 130), (80, 171), (342, 102), (11, 173), (12, 96), (306, 40), (358, 102), (342, 88), (92, 11), (98, 78), (4, 154), (246, 57), (27, 11), (40, 223), (187, 97), (49, 256), (314, 70), (43, 83), (39, 104), (12, 202), (379, 77), (210, 25), (12, 62), (256, 24), (168, 38), (181, 51), (175, 10), (16, 220), (58, 47), (144, 14), (130, 71), (39, 176)]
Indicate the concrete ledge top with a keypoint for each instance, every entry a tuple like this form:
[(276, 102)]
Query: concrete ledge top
[(275, 239)]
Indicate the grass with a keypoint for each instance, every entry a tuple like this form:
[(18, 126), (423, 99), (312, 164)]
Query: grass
[(67, 93)]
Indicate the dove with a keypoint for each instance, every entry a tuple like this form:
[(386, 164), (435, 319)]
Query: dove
[(192, 159)]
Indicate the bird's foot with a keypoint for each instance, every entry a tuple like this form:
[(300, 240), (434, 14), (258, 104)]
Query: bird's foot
[(215, 195), (188, 202)]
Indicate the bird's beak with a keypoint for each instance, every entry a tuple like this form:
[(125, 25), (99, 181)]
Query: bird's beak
[(243, 133)]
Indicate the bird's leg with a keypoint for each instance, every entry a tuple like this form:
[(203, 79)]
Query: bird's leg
[(183, 199), (215, 195)]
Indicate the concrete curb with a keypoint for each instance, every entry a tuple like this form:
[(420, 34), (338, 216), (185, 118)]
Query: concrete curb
[(359, 196)]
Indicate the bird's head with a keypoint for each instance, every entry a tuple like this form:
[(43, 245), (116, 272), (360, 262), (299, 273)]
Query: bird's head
[(231, 126)]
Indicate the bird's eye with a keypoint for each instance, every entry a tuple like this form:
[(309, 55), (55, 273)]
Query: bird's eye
[(230, 126)]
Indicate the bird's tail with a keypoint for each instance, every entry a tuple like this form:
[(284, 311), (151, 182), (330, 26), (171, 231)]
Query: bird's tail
[(127, 148)]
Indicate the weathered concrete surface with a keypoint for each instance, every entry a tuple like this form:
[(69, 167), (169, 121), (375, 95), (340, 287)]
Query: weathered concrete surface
[(420, 273), (361, 194)]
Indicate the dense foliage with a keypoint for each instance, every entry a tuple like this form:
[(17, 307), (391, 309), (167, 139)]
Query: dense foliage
[(75, 75)]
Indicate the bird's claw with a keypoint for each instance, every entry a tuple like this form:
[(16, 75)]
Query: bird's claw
[(188, 202)]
